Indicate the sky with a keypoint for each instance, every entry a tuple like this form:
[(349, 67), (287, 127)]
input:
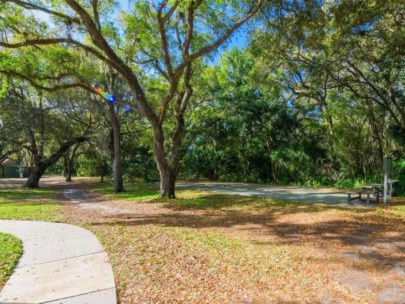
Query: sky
[(238, 40)]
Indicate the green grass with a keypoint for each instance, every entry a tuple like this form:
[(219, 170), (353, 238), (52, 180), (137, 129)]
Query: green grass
[(19, 195), (188, 199), (200, 200), (10, 251), (192, 199), (398, 209), (48, 211), (133, 192), (23, 204)]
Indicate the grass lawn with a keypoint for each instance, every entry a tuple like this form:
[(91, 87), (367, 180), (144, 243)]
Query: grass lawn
[(398, 207), (140, 191), (23, 204), (30, 211), (23, 195), (10, 251), (133, 191)]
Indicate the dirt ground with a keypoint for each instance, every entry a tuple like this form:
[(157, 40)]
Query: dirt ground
[(243, 252)]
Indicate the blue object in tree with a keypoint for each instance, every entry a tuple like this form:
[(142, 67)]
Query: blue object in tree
[(127, 108)]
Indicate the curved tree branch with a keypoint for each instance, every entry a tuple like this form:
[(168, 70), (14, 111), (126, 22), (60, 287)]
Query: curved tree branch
[(32, 6)]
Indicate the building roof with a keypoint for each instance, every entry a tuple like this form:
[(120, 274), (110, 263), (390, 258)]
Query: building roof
[(9, 162)]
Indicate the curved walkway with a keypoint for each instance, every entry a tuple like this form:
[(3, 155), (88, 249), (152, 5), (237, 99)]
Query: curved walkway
[(61, 263)]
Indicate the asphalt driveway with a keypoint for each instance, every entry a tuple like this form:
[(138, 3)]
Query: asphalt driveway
[(326, 196)]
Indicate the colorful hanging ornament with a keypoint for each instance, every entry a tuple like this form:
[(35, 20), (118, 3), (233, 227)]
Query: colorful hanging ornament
[(110, 98)]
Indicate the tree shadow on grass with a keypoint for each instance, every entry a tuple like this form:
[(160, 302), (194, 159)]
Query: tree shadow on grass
[(10, 183), (198, 200), (379, 240), (368, 242)]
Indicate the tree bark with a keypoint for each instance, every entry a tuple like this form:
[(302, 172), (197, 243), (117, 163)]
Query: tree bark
[(116, 149), (68, 172), (68, 167), (36, 174), (41, 165), (168, 183), (102, 170), (168, 173)]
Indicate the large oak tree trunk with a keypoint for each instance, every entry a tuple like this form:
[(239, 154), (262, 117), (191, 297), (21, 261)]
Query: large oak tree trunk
[(168, 183), (117, 167), (168, 168), (42, 164), (167, 173), (36, 174), (116, 164), (68, 168), (69, 172)]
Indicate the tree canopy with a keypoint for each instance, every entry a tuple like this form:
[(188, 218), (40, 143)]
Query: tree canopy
[(314, 96)]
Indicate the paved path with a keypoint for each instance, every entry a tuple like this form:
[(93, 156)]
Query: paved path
[(61, 263), (328, 196), (80, 197)]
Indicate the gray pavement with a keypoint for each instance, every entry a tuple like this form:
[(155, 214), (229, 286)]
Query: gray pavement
[(311, 195), (61, 263), (80, 198)]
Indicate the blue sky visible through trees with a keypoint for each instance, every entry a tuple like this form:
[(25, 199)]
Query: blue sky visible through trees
[(238, 40)]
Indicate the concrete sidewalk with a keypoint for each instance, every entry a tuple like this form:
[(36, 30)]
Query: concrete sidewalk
[(61, 263)]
